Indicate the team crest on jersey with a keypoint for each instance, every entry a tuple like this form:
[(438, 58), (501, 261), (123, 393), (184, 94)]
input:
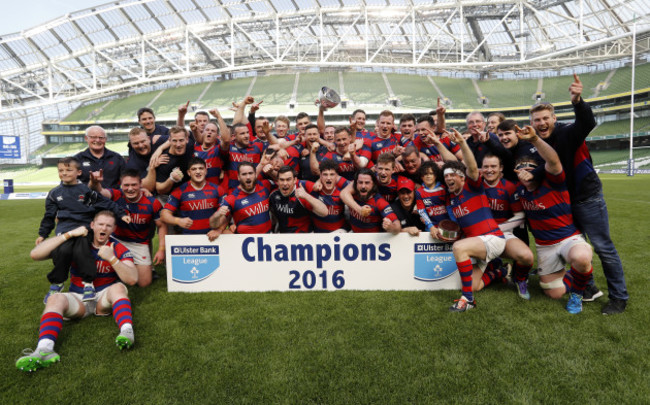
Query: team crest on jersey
[(433, 261), (191, 264), (85, 164), (244, 201), (191, 195)]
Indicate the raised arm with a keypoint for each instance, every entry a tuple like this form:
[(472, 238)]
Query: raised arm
[(468, 156), (553, 164), (42, 250)]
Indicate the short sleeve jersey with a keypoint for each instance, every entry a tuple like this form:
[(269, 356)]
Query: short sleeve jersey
[(106, 274), (504, 200), (372, 223), (433, 201), (250, 211), (548, 210), (293, 214), (236, 155), (335, 218), (143, 213), (196, 204), (471, 210)]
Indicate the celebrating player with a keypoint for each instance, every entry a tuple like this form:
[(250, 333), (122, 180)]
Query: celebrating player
[(483, 239), (114, 267), (557, 240)]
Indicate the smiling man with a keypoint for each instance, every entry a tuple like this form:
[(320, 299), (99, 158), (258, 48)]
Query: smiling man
[(483, 241), (147, 121), (248, 204), (375, 214), (292, 206), (194, 201), (136, 235), (97, 157), (114, 267)]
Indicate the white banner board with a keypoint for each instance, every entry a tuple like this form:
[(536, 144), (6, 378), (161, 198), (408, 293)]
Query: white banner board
[(308, 262)]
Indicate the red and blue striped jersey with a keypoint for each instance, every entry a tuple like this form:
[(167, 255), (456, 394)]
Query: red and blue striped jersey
[(433, 201), (451, 146), (250, 211), (335, 218), (346, 168), (143, 213), (381, 145), (430, 150), (372, 223), (548, 210), (365, 134), (106, 274), (198, 205), (504, 200), (214, 161), (236, 155), (389, 191), (471, 210), (582, 167), (292, 213)]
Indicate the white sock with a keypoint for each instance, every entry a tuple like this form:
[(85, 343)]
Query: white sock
[(45, 345), (126, 327)]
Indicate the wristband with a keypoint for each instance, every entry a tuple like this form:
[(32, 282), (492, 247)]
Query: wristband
[(174, 180), (114, 261), (428, 227), (67, 236)]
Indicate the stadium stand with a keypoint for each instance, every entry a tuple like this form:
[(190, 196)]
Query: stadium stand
[(365, 88), (221, 94), (413, 91), (461, 92), (501, 93), (126, 108), (275, 90), (310, 84), (166, 106), (621, 127), (85, 112)]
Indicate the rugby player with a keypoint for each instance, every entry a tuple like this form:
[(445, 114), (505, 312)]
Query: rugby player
[(114, 267)]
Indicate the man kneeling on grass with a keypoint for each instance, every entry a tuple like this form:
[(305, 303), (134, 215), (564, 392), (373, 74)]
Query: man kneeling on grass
[(114, 264)]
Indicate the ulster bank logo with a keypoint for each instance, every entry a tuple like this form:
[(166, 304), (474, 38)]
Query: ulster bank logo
[(191, 264), (433, 261)]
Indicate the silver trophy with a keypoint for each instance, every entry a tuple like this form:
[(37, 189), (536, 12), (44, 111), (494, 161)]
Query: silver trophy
[(328, 98)]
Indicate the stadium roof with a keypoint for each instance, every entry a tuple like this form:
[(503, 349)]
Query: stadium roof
[(127, 44)]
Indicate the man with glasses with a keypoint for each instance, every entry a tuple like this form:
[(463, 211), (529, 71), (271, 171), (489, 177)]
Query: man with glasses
[(97, 158)]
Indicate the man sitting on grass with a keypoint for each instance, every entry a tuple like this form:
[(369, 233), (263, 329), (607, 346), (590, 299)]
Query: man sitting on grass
[(114, 266)]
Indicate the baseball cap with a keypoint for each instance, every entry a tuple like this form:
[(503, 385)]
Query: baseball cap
[(404, 182)]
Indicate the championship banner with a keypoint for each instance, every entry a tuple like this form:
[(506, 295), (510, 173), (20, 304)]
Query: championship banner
[(309, 262), (9, 147)]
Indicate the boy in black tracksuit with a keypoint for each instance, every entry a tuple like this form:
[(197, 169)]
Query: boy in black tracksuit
[(72, 205)]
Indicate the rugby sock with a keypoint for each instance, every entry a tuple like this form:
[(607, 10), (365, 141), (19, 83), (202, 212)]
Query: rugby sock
[(568, 280), (521, 272), (580, 280), (493, 274), (465, 270), (122, 312), (51, 324)]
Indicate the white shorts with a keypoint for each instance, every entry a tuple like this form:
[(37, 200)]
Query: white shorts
[(141, 253), (74, 302), (553, 258), (509, 235), (494, 246)]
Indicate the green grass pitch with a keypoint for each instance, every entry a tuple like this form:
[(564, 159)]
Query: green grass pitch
[(344, 347)]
